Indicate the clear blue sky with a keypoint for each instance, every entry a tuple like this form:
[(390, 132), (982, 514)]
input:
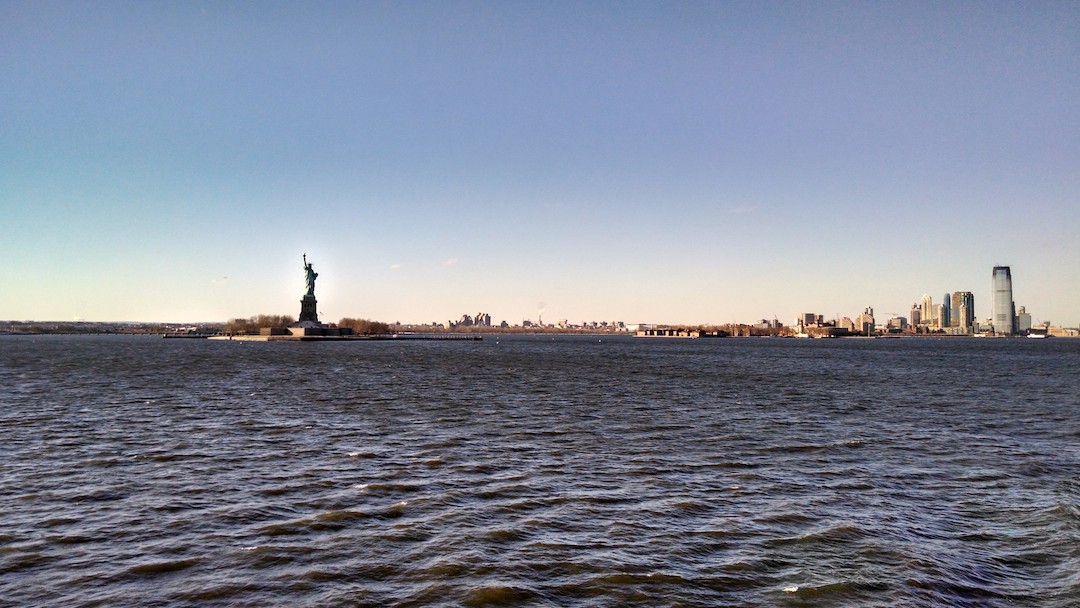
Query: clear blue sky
[(669, 162)]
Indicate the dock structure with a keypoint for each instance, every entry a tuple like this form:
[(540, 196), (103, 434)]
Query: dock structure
[(302, 337), (679, 333), (410, 336)]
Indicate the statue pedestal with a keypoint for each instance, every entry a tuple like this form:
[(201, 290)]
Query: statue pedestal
[(308, 327), (307, 311)]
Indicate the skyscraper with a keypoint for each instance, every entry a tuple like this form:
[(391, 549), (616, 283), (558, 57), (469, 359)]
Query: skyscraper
[(865, 322), (963, 309), (946, 312), (1004, 315)]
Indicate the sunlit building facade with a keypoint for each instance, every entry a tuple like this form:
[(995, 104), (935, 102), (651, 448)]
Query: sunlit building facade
[(926, 316), (1023, 321), (962, 310), (1004, 314), (865, 323)]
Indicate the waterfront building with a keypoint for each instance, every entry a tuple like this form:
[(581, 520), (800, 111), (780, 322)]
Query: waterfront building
[(927, 310), (1004, 309), (916, 315), (1023, 321), (937, 318), (962, 310), (767, 324), (946, 312), (865, 322)]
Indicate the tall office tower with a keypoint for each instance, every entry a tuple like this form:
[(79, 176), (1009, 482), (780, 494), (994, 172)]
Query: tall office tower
[(963, 309), (1004, 316), (946, 312), (936, 321), (927, 310), (865, 322), (916, 315)]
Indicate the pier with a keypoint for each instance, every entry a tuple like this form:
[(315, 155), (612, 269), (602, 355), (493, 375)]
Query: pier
[(339, 338)]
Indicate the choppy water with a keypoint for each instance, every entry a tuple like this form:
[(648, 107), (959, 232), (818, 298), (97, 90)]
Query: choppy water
[(539, 472)]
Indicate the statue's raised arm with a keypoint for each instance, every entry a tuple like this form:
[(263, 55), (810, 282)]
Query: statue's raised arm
[(309, 278)]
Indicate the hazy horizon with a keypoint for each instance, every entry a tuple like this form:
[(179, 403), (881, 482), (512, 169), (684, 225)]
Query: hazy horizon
[(641, 162)]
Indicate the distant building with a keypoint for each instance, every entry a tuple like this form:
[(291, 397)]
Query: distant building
[(1023, 321), (808, 320), (480, 320), (962, 310), (916, 315), (937, 318), (865, 323), (1004, 315), (946, 312), (927, 310)]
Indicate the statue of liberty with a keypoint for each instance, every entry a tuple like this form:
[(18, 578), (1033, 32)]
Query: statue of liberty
[(309, 278)]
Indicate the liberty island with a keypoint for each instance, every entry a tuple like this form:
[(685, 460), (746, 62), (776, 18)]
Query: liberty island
[(309, 328)]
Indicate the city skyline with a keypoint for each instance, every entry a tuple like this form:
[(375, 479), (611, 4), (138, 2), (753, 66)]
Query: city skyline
[(687, 164), (957, 307)]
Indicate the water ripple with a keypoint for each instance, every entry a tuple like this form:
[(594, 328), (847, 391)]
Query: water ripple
[(539, 472)]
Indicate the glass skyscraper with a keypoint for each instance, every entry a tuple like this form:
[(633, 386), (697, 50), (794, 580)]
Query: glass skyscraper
[(963, 309), (1004, 316)]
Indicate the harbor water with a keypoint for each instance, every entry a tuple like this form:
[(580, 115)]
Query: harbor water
[(539, 471)]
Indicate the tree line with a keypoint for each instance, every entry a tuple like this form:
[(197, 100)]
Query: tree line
[(251, 325), (365, 327)]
